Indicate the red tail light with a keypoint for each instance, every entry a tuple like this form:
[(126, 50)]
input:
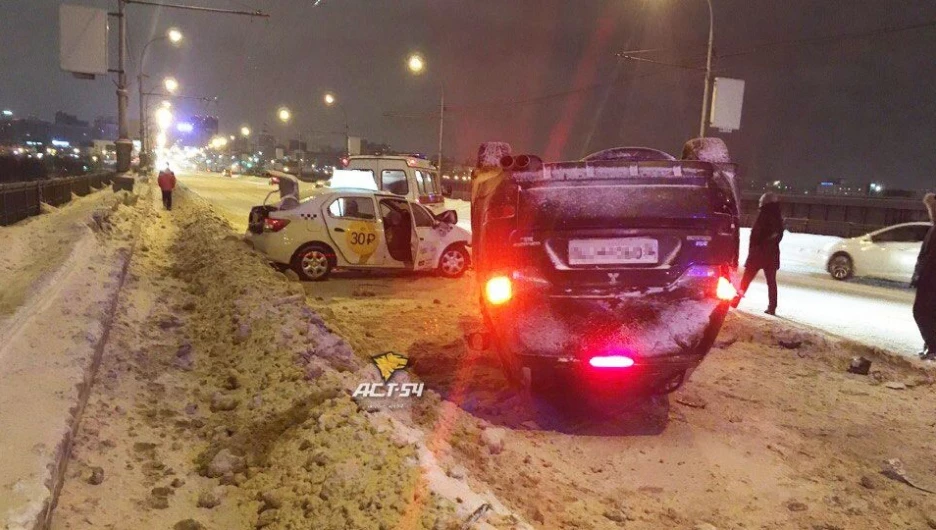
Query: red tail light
[(498, 290), (724, 290), (611, 361), (274, 225)]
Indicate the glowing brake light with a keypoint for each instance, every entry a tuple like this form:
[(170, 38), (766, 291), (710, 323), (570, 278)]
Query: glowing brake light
[(611, 361), (724, 290), (498, 290), (274, 225)]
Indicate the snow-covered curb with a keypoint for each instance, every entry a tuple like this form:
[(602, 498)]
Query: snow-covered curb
[(50, 351)]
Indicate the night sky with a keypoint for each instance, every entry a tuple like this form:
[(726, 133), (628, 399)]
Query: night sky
[(541, 74)]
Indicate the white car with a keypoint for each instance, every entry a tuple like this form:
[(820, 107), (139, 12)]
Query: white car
[(358, 229), (889, 253)]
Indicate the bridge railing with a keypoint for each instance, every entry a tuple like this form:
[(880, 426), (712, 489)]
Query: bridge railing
[(20, 200)]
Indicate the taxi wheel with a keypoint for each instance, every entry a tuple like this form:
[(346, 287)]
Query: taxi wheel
[(454, 261), (313, 262)]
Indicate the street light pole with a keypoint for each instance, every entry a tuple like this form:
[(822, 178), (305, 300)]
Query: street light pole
[(123, 144), (441, 124), (708, 70)]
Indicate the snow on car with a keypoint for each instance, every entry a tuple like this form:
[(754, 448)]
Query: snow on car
[(614, 268), (357, 229), (889, 253)]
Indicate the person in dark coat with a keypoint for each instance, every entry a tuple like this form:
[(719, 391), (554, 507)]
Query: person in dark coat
[(764, 250), (924, 279)]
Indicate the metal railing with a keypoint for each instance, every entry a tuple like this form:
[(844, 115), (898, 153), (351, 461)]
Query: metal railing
[(20, 200)]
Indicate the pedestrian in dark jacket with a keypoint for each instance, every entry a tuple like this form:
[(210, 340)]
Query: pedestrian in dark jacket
[(924, 279), (764, 250)]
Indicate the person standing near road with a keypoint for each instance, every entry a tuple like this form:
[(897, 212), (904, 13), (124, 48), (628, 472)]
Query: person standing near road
[(167, 182), (924, 279), (764, 250)]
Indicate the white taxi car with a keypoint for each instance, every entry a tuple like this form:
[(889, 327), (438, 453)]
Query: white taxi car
[(889, 253), (358, 229)]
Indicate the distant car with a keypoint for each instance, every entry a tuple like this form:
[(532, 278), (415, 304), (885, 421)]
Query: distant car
[(358, 229), (889, 253)]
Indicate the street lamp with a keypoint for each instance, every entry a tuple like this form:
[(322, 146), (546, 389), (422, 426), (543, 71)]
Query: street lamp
[(174, 36), (245, 131), (417, 65), (171, 84), (284, 115), (332, 101), (163, 118)]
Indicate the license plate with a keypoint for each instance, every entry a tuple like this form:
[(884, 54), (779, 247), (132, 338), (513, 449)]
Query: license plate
[(619, 251)]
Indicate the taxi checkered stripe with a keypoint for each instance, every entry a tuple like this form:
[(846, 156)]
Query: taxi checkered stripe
[(308, 216)]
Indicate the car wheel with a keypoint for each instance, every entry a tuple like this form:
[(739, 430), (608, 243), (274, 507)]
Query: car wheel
[(313, 262), (841, 267), (454, 261)]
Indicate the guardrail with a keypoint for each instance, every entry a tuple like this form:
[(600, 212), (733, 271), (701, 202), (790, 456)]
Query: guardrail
[(20, 200)]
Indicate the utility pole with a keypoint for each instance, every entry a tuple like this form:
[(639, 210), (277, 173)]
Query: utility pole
[(441, 126), (124, 143), (708, 70)]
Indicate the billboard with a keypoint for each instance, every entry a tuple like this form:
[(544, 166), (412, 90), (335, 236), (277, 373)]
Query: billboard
[(727, 99), (354, 145), (83, 40)]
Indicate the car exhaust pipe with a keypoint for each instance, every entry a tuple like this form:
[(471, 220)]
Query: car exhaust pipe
[(521, 162)]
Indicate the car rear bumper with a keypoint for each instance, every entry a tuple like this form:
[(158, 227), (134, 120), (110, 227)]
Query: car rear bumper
[(270, 245), (651, 326)]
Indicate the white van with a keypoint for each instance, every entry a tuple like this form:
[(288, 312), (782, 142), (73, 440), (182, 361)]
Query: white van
[(407, 176)]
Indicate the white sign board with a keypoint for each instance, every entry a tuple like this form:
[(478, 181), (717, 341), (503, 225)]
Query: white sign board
[(727, 99), (354, 145), (83, 39)]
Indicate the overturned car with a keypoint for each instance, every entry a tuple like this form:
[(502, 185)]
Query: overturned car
[(614, 268)]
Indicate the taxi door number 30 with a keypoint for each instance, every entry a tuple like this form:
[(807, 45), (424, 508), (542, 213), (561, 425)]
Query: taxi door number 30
[(362, 239)]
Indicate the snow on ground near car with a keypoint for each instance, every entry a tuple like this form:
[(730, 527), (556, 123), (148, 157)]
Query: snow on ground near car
[(224, 401), (762, 436), (64, 271)]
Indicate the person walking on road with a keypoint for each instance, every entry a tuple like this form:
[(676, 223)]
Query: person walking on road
[(764, 250), (924, 279), (167, 182)]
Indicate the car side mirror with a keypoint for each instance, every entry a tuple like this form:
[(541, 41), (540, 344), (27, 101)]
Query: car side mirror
[(448, 216)]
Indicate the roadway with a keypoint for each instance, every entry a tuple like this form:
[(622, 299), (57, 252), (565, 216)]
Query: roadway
[(872, 313)]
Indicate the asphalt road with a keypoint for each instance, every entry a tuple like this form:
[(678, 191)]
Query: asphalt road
[(873, 313)]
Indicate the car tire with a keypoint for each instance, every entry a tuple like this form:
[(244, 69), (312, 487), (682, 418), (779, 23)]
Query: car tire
[(841, 266), (313, 262), (454, 261)]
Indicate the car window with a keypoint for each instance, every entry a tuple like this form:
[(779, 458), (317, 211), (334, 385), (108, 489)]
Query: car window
[(421, 216), (901, 234), (420, 184), (353, 208), (427, 181), (394, 181)]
